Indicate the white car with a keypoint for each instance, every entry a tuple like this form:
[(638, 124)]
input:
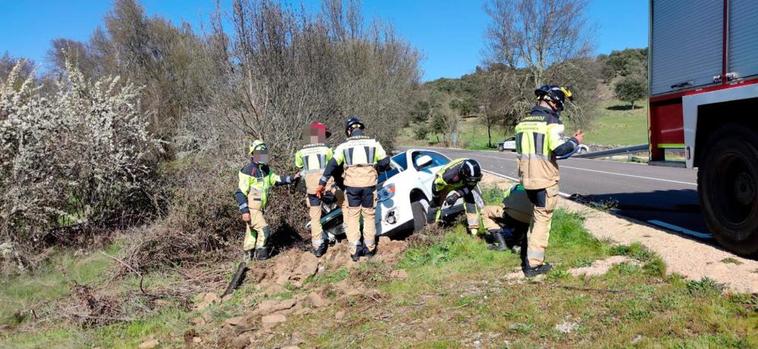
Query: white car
[(510, 144), (405, 192)]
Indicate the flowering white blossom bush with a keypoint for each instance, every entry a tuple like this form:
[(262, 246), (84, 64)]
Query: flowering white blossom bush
[(81, 157)]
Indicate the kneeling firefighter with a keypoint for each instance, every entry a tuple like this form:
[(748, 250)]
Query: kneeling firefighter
[(460, 176), (312, 160), (360, 157), (255, 182), (508, 223)]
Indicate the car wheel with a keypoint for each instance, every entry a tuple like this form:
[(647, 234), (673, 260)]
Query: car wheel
[(500, 147), (419, 214)]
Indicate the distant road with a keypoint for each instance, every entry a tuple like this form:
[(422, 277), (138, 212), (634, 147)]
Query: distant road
[(665, 196)]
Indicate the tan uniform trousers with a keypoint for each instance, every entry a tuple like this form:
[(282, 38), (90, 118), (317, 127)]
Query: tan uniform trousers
[(314, 212), (492, 217), (539, 230), (257, 231), (361, 202)]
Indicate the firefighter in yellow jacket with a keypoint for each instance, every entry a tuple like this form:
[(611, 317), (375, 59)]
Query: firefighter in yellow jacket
[(255, 182), (538, 143), (460, 176), (360, 157), (508, 223), (312, 160)]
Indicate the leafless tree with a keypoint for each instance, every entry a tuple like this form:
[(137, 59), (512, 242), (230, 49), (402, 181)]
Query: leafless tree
[(532, 43)]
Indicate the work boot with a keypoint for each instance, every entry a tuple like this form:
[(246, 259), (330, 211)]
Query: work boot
[(358, 253), (320, 250), (538, 270), (499, 244), (261, 253), (369, 252)]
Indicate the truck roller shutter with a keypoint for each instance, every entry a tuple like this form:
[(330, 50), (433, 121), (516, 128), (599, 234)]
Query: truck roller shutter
[(687, 40), (743, 46)]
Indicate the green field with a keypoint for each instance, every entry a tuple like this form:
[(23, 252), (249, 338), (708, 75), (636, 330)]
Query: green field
[(613, 125), (617, 127)]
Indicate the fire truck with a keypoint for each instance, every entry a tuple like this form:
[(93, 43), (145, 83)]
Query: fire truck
[(703, 69)]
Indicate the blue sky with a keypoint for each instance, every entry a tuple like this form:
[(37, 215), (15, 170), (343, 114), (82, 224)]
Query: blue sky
[(449, 33)]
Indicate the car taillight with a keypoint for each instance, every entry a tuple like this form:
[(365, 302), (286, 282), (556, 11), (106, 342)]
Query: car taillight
[(386, 193)]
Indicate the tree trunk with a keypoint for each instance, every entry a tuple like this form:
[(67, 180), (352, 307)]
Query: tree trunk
[(489, 135)]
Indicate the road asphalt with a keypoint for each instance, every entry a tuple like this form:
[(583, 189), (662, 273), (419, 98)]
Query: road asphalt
[(663, 196)]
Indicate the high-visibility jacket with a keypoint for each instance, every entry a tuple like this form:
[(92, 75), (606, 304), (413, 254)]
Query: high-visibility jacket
[(538, 140), (312, 161), (313, 157), (448, 178), (255, 183), (517, 205), (358, 155)]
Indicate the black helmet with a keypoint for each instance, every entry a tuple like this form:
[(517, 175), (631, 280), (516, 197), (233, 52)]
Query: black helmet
[(352, 123), (471, 171), (554, 93)]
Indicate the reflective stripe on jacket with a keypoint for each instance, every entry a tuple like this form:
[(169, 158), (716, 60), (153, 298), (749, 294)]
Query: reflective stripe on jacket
[(537, 135), (313, 157), (256, 181), (448, 177), (359, 151)]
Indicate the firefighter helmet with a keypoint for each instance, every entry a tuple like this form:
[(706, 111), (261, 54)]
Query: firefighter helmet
[(352, 123), (555, 94)]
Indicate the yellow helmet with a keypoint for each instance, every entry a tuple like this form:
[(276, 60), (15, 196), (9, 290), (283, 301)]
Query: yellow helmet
[(257, 145)]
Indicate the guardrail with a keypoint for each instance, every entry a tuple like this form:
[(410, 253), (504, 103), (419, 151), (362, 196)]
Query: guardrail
[(614, 151)]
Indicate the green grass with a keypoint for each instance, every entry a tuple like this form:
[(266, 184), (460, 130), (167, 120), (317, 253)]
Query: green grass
[(616, 127), (612, 124), (472, 135), (20, 294), (457, 294)]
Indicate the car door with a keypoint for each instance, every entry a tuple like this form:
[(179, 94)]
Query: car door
[(426, 173)]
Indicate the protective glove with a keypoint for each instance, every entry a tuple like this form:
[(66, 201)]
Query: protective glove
[(320, 191), (452, 198)]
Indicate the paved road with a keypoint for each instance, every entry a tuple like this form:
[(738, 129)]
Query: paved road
[(664, 195)]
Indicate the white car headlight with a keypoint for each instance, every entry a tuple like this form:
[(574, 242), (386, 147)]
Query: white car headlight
[(386, 193)]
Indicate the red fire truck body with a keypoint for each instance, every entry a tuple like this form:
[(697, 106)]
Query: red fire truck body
[(703, 69)]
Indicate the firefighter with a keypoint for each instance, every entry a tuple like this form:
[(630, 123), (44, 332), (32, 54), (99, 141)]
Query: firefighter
[(538, 143), (255, 182), (508, 223), (312, 160), (360, 157), (460, 176)]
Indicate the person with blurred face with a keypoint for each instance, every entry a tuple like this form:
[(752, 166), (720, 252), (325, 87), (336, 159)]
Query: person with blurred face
[(312, 160), (255, 182), (360, 157)]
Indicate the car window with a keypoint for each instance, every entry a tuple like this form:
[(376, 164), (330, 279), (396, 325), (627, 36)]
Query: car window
[(437, 158), (399, 163), (401, 160)]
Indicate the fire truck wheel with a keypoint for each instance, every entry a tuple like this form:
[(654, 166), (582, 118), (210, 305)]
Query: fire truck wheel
[(728, 182)]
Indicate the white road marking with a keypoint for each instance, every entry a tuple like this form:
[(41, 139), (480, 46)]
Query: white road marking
[(565, 195), (628, 175), (679, 229)]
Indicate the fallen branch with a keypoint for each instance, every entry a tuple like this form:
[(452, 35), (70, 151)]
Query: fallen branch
[(141, 277)]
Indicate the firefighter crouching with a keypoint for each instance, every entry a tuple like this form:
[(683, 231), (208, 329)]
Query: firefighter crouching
[(255, 182), (359, 156), (312, 160), (460, 176), (508, 223), (538, 143)]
